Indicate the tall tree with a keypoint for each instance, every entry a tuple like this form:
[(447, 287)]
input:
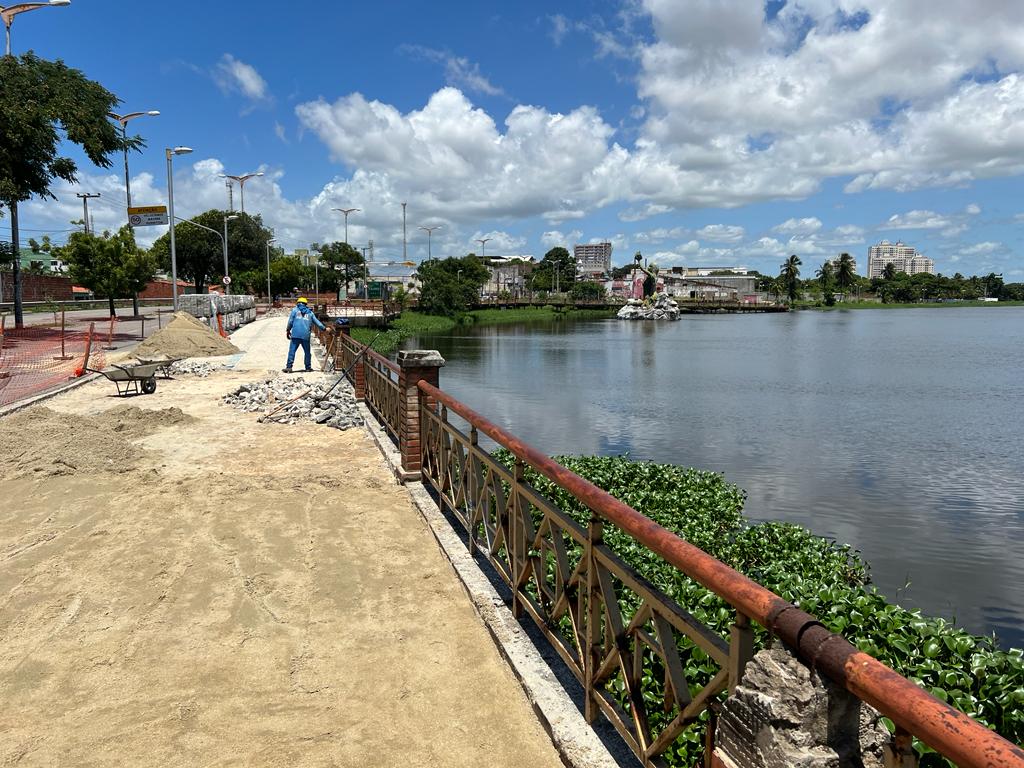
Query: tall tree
[(450, 285), (790, 274), (889, 271), (108, 265), (826, 280), (556, 270), (846, 275), (200, 252), (42, 104), (343, 257)]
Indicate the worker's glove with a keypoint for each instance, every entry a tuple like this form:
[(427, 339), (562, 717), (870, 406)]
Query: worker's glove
[(288, 334)]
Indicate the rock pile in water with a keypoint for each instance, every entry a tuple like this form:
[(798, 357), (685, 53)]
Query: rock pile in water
[(662, 308), (338, 409)]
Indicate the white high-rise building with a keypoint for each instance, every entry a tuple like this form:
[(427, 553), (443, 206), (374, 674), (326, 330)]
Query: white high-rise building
[(593, 259), (904, 258)]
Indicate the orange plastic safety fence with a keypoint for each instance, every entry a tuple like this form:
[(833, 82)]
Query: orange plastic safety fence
[(35, 359)]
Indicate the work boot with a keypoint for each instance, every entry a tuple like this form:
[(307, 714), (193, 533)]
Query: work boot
[(286, 370), (308, 370)]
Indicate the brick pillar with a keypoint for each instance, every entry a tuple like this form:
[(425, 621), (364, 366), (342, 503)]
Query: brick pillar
[(415, 365)]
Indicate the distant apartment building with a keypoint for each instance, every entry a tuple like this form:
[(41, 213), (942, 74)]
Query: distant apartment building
[(593, 259), (904, 258)]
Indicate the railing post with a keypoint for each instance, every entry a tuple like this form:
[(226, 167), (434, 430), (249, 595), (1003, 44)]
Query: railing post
[(414, 366), (741, 649), (594, 633)]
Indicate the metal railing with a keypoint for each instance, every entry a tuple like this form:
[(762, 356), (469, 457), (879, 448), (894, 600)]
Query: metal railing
[(575, 589), (377, 377)]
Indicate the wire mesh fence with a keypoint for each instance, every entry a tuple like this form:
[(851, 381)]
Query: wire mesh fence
[(37, 358)]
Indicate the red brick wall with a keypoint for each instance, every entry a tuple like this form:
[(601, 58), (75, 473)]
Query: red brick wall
[(161, 289), (37, 287)]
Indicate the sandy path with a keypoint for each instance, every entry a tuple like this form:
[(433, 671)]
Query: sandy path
[(245, 594)]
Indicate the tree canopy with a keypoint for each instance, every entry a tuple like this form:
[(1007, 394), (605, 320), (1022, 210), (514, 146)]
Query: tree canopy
[(200, 252), (44, 104), (790, 274), (109, 265), (342, 257), (556, 270), (450, 285)]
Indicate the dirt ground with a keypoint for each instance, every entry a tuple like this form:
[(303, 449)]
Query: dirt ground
[(229, 593)]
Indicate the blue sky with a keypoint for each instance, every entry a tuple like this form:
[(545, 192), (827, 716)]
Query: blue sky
[(700, 132)]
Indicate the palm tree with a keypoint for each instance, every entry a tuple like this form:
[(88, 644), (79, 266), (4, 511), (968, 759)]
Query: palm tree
[(889, 272), (790, 274), (846, 276)]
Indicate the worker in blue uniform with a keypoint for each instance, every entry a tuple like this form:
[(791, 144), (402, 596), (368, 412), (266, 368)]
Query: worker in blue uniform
[(300, 326)]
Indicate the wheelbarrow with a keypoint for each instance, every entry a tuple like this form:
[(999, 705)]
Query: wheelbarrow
[(134, 378)]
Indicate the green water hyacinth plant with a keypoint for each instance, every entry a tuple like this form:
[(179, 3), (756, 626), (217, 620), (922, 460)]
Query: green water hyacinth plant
[(825, 578)]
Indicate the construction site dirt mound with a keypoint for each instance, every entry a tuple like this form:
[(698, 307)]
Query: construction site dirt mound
[(43, 442), (184, 336)]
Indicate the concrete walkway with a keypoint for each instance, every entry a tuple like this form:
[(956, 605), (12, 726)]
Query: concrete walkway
[(195, 588)]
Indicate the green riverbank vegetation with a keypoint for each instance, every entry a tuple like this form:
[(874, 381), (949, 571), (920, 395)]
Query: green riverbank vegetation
[(413, 323), (828, 579)]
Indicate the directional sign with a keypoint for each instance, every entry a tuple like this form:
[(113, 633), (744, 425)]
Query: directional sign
[(147, 215)]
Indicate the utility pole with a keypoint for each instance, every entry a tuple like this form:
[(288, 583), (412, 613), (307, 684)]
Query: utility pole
[(366, 289), (404, 256), (85, 207)]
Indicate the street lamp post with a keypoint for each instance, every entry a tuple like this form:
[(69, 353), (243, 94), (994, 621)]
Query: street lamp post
[(430, 231), (9, 12), (483, 245), (269, 298), (170, 153), (123, 120), (227, 282), (346, 212), (241, 183)]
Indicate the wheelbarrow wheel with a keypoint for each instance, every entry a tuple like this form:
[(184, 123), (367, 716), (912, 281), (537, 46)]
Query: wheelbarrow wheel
[(149, 386)]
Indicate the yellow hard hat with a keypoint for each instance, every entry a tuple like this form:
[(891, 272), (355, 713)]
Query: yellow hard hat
[(302, 300)]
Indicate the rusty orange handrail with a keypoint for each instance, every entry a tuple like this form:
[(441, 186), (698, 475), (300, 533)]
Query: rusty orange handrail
[(940, 726)]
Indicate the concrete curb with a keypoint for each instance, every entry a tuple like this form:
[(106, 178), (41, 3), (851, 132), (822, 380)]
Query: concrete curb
[(60, 389), (576, 742)]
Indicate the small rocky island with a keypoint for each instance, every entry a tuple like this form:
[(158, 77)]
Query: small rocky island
[(657, 307)]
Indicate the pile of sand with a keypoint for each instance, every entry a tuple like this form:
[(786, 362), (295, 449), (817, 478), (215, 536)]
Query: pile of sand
[(49, 443), (184, 336)]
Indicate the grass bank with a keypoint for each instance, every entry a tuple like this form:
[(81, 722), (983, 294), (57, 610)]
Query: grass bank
[(922, 305), (418, 324)]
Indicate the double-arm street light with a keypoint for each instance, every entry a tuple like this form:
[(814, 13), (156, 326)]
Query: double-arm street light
[(429, 231), (345, 212), (170, 218), (7, 13), (241, 183), (483, 245)]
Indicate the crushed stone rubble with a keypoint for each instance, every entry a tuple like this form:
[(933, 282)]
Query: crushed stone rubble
[(193, 368), (338, 409)]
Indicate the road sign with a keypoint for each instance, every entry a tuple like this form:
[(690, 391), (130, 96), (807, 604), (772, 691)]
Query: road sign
[(227, 280), (147, 215)]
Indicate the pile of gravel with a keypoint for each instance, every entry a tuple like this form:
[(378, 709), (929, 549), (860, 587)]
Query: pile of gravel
[(193, 368), (337, 410)]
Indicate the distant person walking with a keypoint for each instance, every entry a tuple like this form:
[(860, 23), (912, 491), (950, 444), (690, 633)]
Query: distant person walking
[(300, 325)]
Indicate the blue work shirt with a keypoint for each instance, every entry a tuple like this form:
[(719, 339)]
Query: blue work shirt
[(301, 320)]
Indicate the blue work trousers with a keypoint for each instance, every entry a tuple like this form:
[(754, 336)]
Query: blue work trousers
[(295, 344)]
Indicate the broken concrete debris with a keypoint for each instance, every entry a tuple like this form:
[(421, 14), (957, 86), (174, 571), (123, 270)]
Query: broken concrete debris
[(338, 409)]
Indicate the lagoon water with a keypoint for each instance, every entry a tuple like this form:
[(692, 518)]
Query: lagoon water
[(900, 432)]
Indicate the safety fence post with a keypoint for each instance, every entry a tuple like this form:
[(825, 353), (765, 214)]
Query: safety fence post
[(414, 366)]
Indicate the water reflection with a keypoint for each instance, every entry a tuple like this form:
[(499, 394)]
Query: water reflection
[(897, 432)]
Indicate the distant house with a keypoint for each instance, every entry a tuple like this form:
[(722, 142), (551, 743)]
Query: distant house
[(508, 274)]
